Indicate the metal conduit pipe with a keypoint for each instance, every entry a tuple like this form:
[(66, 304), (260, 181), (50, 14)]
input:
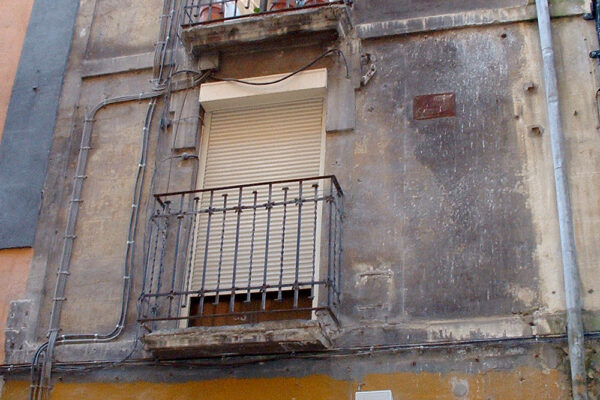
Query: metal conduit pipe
[(40, 378), (75, 201), (41, 385), (563, 205), (47, 349), (165, 44)]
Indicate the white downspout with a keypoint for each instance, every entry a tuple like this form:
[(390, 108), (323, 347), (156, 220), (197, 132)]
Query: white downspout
[(563, 204)]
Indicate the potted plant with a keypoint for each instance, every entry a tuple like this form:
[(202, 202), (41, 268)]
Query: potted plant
[(211, 12), (314, 2), (277, 5)]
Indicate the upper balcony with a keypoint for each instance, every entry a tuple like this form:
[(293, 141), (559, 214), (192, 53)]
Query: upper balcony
[(243, 268), (217, 24)]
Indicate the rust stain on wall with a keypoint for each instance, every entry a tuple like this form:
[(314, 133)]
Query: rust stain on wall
[(431, 106)]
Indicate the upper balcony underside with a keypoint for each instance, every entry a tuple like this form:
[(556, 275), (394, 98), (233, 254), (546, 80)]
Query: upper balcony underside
[(324, 22)]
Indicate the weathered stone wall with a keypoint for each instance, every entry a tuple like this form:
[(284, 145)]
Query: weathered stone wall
[(450, 227), (14, 263), (521, 372)]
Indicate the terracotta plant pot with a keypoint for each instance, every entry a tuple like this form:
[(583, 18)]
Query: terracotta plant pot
[(315, 2), (211, 13), (277, 5)]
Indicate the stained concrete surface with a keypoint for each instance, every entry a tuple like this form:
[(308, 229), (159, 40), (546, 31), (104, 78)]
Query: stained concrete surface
[(454, 231), (455, 235), (446, 219), (124, 28), (384, 10)]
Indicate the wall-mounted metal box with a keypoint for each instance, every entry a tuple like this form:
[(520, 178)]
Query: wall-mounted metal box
[(375, 395)]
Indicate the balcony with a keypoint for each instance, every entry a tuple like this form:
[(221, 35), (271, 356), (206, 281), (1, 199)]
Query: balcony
[(243, 268), (222, 24)]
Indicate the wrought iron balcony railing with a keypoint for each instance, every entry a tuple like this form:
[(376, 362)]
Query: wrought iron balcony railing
[(243, 254), (204, 11)]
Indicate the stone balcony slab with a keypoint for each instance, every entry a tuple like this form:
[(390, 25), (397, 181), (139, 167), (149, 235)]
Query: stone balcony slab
[(319, 23)]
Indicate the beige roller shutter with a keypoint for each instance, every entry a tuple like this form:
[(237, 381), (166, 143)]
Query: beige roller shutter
[(247, 146)]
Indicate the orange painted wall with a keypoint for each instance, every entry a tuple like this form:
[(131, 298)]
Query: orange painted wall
[(14, 263), (14, 269), (516, 384), (14, 17)]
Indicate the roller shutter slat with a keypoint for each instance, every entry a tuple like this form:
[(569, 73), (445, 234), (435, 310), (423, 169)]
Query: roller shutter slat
[(253, 145)]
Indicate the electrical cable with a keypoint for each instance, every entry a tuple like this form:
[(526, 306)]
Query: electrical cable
[(38, 389), (316, 60), (175, 139), (220, 361)]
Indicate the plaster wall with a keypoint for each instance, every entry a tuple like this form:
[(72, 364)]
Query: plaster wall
[(14, 263), (534, 371), (520, 384), (14, 17), (108, 198), (450, 229), (381, 10)]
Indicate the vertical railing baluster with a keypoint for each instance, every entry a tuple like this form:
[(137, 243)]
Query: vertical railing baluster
[(161, 267), (166, 240), (255, 194), (235, 249), (187, 11), (221, 249), (156, 241), (314, 244), (196, 6), (330, 248), (205, 260), (298, 237), (192, 246), (285, 195), (335, 243), (269, 206), (145, 277), (340, 208), (180, 215)]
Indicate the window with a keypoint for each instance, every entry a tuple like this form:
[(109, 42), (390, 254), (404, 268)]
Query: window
[(260, 239), (236, 249), (254, 262)]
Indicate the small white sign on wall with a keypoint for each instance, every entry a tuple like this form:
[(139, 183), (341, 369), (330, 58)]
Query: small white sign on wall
[(376, 395)]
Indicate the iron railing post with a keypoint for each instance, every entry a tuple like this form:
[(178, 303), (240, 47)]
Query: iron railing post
[(211, 268)]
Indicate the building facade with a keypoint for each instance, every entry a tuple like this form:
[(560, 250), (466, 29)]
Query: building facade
[(299, 200)]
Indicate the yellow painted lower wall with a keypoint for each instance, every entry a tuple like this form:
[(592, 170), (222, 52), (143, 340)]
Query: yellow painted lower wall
[(516, 384), (14, 269)]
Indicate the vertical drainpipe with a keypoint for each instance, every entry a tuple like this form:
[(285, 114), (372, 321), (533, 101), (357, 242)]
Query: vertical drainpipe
[(563, 205)]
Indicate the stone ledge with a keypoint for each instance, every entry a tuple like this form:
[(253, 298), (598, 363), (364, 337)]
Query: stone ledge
[(373, 30), (327, 22), (263, 338)]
